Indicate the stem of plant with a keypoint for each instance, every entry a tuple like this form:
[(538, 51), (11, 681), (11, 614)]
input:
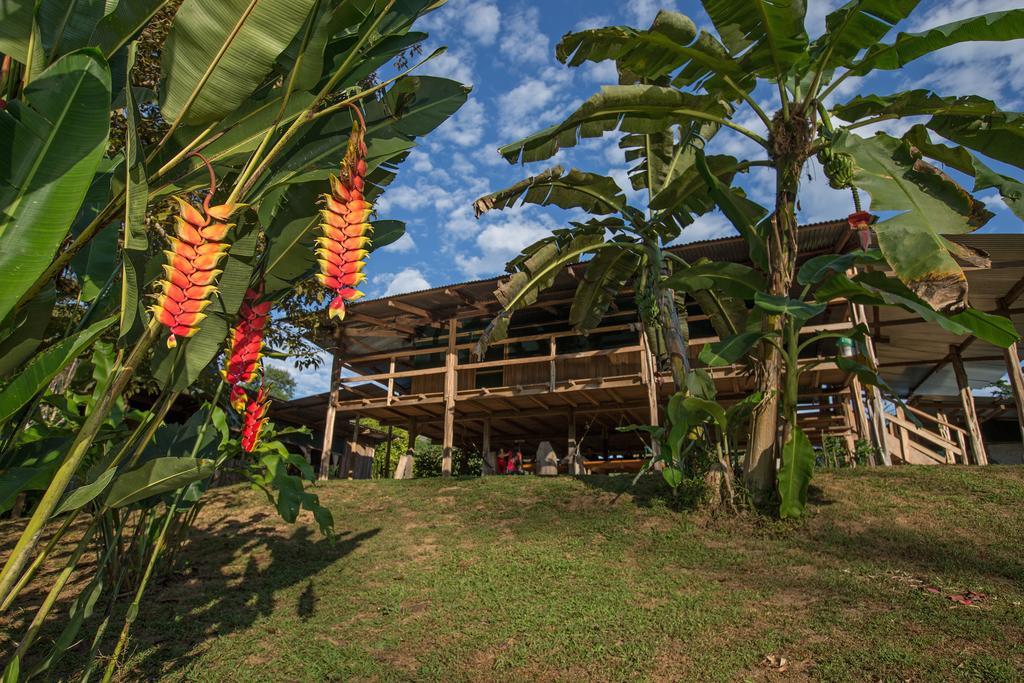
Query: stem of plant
[(79, 447), (133, 609)]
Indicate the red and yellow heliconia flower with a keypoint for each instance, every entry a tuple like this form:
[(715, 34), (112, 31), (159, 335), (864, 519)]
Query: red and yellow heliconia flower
[(342, 246), (197, 248), (254, 419), (245, 344)]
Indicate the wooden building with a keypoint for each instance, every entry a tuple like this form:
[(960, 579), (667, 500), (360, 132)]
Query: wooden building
[(408, 364)]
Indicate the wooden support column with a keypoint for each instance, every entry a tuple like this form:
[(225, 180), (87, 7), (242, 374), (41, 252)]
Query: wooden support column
[(387, 454), (970, 411), (332, 410), (572, 448), (946, 434), (1012, 355), (904, 435), (874, 395), (489, 466), (450, 389), (391, 380), (552, 352), (350, 465)]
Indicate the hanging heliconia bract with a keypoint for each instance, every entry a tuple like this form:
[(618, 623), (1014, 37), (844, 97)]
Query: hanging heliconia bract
[(245, 344), (342, 247), (254, 419), (196, 250)]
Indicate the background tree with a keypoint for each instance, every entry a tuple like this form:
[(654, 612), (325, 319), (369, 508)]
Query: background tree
[(679, 87), (282, 384)]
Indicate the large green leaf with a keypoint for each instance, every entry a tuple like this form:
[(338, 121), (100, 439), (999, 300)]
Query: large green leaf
[(996, 26), (816, 269), (730, 349), (744, 214), (795, 473), (734, 279), (23, 332), (17, 26), (1011, 190), (999, 135), (916, 103), (670, 43), (604, 278), (770, 34), (157, 476), (535, 271), (51, 143), (126, 20), (801, 311), (45, 367), (627, 108), (929, 205), (85, 493), (595, 194), (856, 25), (218, 53)]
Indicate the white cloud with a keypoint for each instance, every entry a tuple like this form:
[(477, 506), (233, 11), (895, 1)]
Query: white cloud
[(403, 245), (994, 201), (519, 106), (642, 12), (406, 280), (817, 10), (598, 21), (482, 21), (523, 40), (503, 238), (454, 64), (601, 72), (467, 126)]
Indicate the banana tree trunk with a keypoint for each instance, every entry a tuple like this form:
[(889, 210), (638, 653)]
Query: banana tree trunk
[(762, 449)]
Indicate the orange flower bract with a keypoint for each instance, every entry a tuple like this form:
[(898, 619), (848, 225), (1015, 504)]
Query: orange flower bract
[(345, 230), (254, 419), (245, 345), (197, 248)]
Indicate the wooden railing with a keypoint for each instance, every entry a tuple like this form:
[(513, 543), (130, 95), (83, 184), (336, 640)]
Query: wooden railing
[(919, 443)]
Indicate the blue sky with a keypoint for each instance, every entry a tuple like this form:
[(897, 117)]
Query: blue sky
[(505, 50)]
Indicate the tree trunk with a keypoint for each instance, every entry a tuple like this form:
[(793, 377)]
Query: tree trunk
[(789, 141)]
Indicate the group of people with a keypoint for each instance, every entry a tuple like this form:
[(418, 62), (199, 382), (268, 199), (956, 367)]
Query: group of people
[(509, 461)]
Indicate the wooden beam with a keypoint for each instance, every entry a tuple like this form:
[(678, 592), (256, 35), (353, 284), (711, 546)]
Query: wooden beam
[(970, 411), (387, 454), (874, 394), (489, 466), (1016, 383), (332, 410), (378, 322), (409, 308), (450, 390)]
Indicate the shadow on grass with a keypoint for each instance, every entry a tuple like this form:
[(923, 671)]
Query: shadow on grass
[(650, 491), (214, 602)]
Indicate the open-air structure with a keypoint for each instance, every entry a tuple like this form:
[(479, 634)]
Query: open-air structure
[(408, 364)]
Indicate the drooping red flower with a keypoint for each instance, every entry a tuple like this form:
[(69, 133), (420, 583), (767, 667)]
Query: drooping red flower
[(342, 246), (245, 344), (861, 222), (191, 270), (254, 419)]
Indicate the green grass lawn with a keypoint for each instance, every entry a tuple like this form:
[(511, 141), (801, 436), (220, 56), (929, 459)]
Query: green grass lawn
[(522, 578)]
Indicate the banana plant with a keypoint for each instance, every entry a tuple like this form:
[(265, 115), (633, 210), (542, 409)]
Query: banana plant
[(683, 85)]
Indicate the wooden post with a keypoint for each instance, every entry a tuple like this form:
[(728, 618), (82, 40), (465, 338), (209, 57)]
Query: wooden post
[(552, 352), (387, 454), (332, 410), (572, 448), (1012, 356), (350, 462), (970, 411), (391, 380), (874, 395), (450, 389), (489, 466), (944, 432), (904, 435)]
